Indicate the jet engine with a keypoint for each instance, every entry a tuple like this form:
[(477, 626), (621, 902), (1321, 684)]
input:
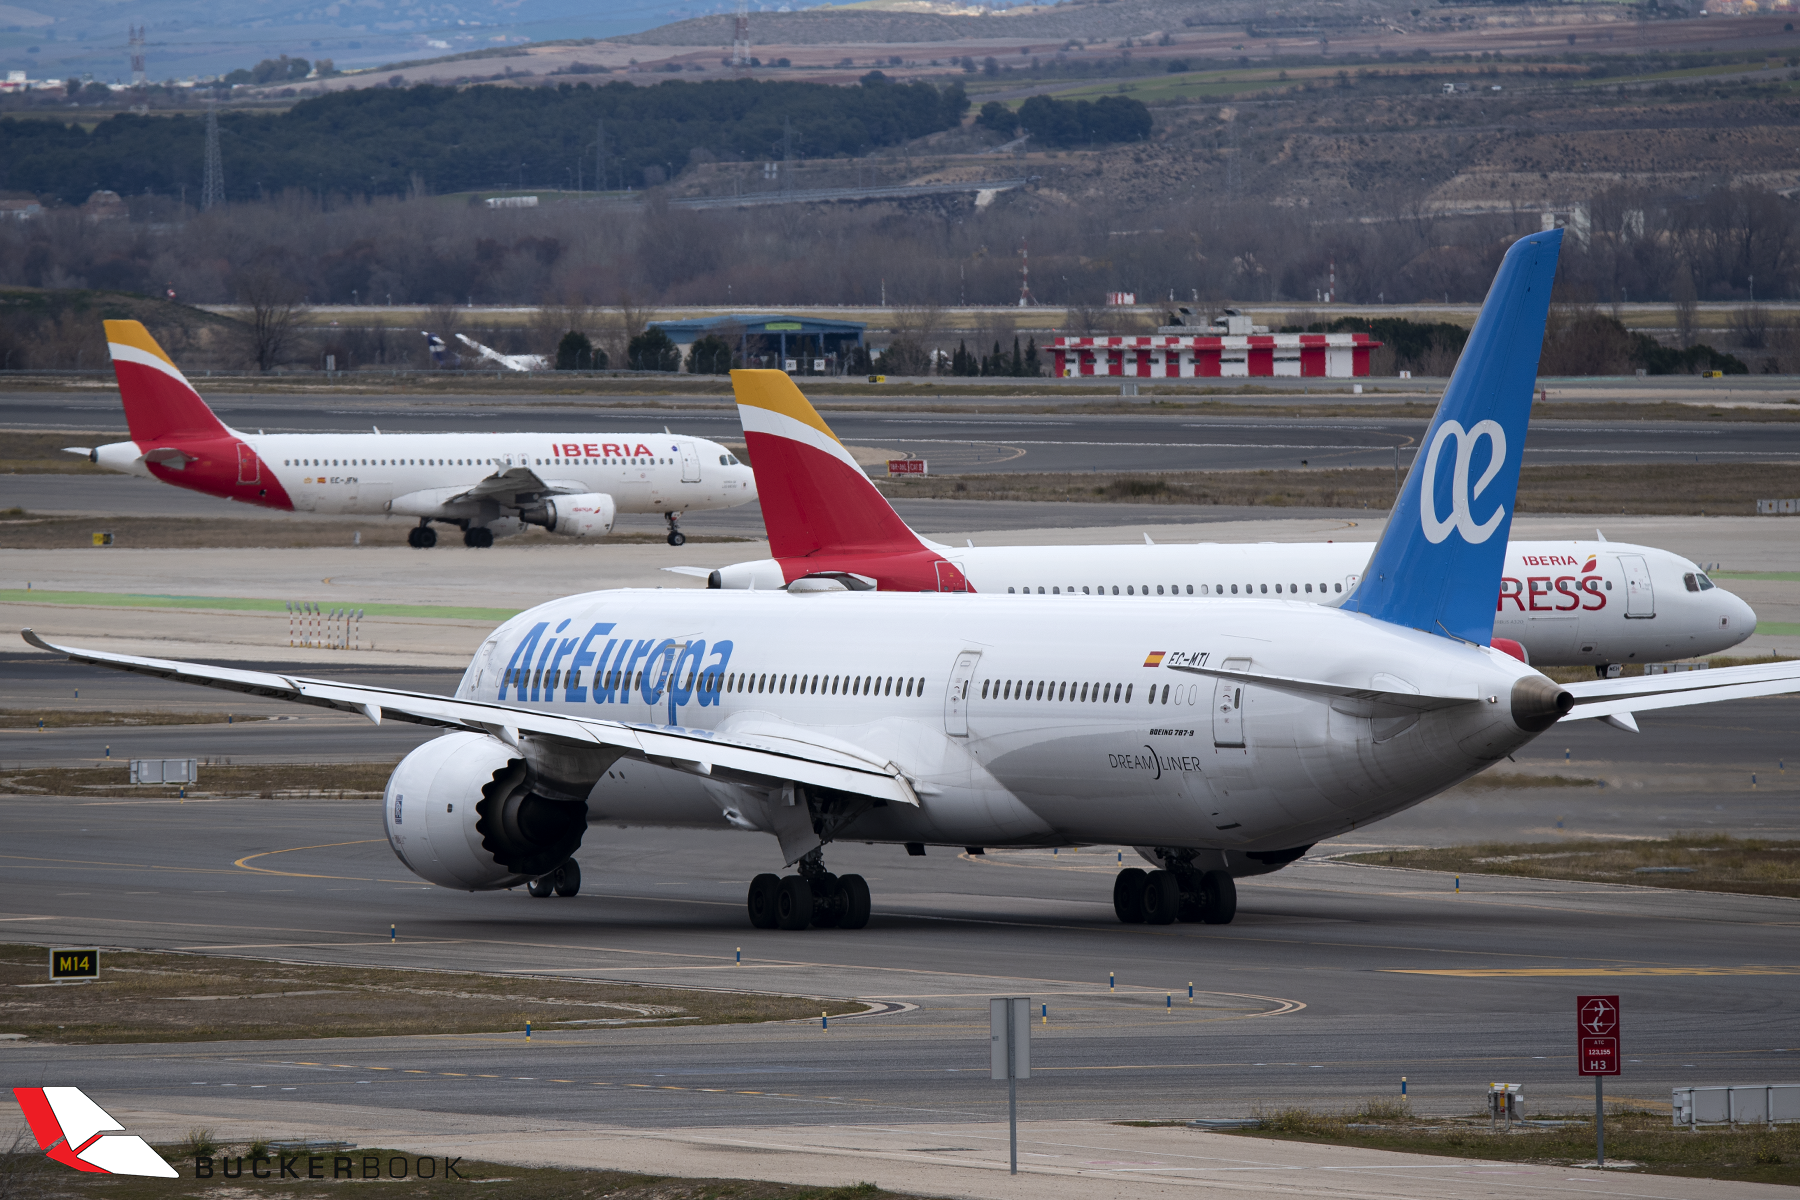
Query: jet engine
[(589, 514), (462, 812)]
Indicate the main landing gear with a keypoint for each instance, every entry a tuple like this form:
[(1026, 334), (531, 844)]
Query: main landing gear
[(1186, 893), (564, 881), (814, 897), (676, 537), (478, 537), (424, 537)]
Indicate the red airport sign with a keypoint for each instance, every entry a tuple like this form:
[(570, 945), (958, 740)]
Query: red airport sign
[(906, 466), (1597, 1035)]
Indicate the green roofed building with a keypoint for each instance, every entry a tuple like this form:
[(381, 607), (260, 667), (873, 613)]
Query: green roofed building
[(798, 345)]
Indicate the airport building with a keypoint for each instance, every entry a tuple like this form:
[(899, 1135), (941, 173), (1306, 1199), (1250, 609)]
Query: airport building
[(1200, 356), (797, 345)]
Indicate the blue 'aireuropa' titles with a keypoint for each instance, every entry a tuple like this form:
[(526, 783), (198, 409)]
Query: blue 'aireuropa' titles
[(1439, 559), (663, 670)]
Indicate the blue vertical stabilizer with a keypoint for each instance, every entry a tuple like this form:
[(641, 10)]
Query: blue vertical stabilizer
[(1437, 566)]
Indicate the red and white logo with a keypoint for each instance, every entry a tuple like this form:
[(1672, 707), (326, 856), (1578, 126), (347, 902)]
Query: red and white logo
[(75, 1132)]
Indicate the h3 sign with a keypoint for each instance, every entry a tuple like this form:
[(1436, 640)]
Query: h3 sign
[(1597, 1035)]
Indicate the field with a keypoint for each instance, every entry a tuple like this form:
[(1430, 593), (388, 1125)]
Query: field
[(1701, 862), (1636, 1141), (151, 997)]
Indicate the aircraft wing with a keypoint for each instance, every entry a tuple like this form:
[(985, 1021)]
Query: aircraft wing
[(695, 751), (1613, 697), (508, 485)]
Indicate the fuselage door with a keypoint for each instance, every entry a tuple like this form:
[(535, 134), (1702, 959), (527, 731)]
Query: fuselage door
[(249, 466), (956, 699), (950, 577), (690, 461), (1640, 597), (1228, 705)]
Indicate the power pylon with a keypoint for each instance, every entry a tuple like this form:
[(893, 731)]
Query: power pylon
[(1026, 299), (212, 186), (740, 46), (138, 77)]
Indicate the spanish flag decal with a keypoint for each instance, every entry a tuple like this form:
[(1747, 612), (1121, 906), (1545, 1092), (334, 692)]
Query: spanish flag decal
[(1155, 658)]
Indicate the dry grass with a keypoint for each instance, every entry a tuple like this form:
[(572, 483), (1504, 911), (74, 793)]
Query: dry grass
[(1646, 1140), (1493, 781), (1702, 862), (41, 453), (265, 780), (59, 718), (21, 530), (1656, 489), (151, 997), (1634, 670), (38, 1179)]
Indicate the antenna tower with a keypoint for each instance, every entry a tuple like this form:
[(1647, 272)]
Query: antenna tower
[(138, 78), (1026, 299), (212, 186), (740, 46)]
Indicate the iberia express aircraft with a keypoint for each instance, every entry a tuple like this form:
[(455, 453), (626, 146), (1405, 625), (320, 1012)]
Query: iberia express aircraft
[(1221, 740), (487, 484), (1562, 603)]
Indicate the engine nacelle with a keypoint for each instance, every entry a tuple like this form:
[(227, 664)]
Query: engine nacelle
[(589, 514), (461, 813)]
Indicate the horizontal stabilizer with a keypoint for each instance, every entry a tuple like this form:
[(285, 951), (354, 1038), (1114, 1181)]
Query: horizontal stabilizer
[(1616, 697), (1313, 687)]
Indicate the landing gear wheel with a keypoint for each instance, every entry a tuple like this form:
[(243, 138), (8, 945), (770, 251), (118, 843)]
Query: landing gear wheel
[(423, 537), (542, 886), (1162, 898), (1128, 895), (855, 890), (676, 537), (761, 901), (477, 537), (1218, 892), (828, 902), (793, 903), (567, 878)]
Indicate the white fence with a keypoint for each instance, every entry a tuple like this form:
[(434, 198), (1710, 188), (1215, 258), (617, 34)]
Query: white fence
[(1772, 508), (1737, 1104), (325, 628), (165, 770)]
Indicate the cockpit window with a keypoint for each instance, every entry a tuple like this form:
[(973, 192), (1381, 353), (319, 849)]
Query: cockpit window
[(1693, 584), (1706, 585)]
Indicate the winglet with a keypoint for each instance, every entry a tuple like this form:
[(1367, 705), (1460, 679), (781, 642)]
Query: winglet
[(814, 494), (1440, 557), (160, 404)]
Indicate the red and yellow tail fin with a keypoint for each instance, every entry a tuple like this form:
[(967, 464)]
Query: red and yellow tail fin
[(160, 404), (814, 495)]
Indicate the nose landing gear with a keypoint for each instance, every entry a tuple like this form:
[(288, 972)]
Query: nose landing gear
[(676, 537), (814, 897)]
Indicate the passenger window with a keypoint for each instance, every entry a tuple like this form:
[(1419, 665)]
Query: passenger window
[(1234, 589), (1012, 591), (1056, 591), (1115, 589), (1159, 590), (1309, 589), (1040, 591), (1337, 587), (1265, 588)]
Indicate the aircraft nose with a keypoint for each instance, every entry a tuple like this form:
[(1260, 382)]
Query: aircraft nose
[(749, 480), (1734, 614)]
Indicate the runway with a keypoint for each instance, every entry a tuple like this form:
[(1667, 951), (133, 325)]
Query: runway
[(1333, 982), (961, 443)]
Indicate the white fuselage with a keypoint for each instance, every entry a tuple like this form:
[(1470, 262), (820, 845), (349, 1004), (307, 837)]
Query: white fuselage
[(1012, 717), (423, 474), (1568, 603)]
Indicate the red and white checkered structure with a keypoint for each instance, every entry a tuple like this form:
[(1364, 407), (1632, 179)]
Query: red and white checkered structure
[(1168, 356)]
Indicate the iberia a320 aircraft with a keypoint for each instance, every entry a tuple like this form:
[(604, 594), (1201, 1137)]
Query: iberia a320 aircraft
[(1574, 603), (486, 484)]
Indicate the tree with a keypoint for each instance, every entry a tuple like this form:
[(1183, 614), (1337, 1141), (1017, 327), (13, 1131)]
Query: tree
[(276, 308), (576, 353), (997, 117), (711, 355), (652, 350)]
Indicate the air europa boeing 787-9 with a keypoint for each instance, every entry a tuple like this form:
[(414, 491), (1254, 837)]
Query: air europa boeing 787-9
[(486, 484), (1220, 739)]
